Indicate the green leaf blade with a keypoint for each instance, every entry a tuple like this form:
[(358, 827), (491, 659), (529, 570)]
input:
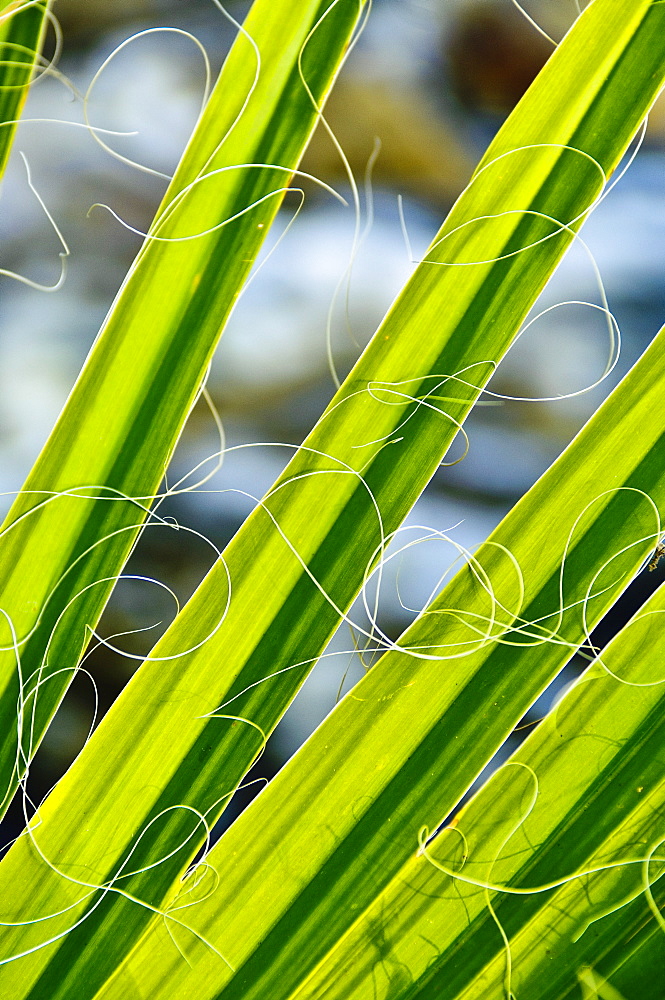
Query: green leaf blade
[(21, 37), (164, 725), (72, 527), (343, 818)]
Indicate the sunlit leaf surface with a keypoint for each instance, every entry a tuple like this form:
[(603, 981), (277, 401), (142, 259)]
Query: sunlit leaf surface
[(289, 880), (317, 890), (21, 31), (69, 533)]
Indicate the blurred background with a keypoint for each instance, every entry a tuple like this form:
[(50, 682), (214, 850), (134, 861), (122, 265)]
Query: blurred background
[(431, 80)]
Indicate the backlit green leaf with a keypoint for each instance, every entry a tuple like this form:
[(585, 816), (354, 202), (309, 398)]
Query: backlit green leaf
[(69, 532), (189, 724), (296, 901), (21, 31)]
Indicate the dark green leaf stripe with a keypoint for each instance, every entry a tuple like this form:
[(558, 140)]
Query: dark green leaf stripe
[(343, 818), (71, 529), (630, 949)]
